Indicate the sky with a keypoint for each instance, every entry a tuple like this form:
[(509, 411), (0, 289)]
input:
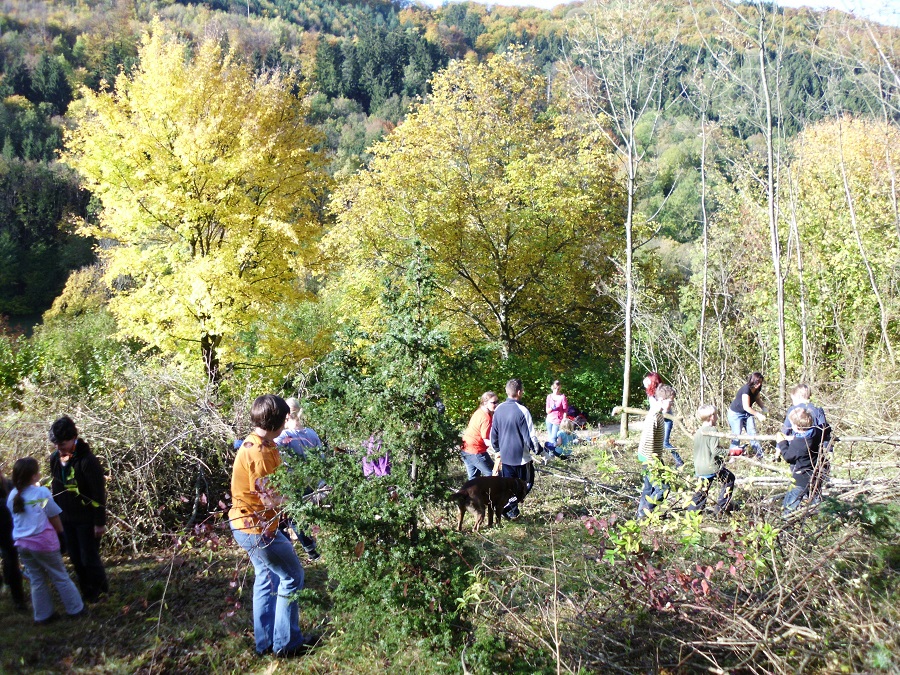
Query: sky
[(883, 11)]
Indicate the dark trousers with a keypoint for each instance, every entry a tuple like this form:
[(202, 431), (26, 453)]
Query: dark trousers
[(84, 552), (524, 472), (12, 573), (704, 483)]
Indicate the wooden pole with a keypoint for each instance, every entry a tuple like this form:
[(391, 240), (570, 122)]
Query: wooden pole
[(894, 438)]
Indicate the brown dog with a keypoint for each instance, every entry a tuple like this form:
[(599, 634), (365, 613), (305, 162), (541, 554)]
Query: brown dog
[(486, 493)]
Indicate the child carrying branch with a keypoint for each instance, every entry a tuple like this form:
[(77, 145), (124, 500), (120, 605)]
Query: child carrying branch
[(709, 463), (650, 450)]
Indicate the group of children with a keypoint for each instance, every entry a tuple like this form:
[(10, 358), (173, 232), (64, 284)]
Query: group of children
[(803, 435), (37, 529)]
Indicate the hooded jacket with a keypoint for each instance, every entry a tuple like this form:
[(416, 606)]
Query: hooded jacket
[(79, 487)]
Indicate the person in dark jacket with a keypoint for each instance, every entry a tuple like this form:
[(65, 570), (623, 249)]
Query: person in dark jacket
[(800, 398), (513, 437), (12, 573), (79, 488), (802, 453)]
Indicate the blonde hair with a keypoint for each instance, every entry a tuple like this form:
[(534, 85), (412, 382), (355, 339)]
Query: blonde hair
[(800, 390), (705, 412), (487, 396), (567, 425)]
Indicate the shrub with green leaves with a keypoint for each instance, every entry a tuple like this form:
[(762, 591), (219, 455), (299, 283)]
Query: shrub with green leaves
[(396, 573), (592, 384)]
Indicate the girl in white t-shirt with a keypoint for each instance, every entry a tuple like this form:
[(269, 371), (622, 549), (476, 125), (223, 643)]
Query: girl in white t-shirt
[(37, 533)]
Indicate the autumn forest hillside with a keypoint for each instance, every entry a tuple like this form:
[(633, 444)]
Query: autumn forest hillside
[(386, 209)]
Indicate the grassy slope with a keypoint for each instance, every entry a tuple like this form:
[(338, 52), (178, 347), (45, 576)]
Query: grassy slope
[(545, 593)]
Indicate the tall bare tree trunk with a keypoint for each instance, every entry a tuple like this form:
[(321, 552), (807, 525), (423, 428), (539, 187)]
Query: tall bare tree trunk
[(771, 199), (701, 345), (629, 297)]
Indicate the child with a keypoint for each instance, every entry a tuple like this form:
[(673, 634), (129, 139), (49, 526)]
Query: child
[(565, 439), (650, 450), (296, 438), (709, 463), (651, 381), (37, 531), (802, 453)]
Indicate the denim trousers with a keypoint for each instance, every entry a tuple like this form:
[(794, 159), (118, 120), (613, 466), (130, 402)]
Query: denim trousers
[(279, 575), (667, 433), (652, 495), (552, 432), (803, 477), (738, 423), (477, 465), (43, 569), (84, 552)]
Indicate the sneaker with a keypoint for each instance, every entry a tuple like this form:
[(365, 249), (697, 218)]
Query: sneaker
[(78, 615), (309, 642), (513, 513), (312, 553), (50, 619)]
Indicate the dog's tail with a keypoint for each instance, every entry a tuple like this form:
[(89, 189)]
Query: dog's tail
[(460, 498)]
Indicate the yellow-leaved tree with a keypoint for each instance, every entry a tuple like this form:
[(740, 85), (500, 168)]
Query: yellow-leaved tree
[(209, 180), (512, 194), (846, 246)]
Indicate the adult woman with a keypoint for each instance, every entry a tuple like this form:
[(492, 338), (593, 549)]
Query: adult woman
[(556, 408), (741, 414), (254, 517), (651, 381), (477, 438)]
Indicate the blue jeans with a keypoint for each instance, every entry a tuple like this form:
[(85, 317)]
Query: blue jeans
[(477, 465), (552, 432), (652, 495), (667, 433), (43, 569), (803, 478), (279, 575), (738, 423)]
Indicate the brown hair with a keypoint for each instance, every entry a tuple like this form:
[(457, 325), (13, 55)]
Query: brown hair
[(269, 412), (23, 473), (665, 391), (800, 419), (755, 381), (800, 390), (513, 387), (487, 396)]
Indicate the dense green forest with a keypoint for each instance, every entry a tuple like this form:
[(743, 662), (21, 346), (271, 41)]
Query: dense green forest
[(386, 209)]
